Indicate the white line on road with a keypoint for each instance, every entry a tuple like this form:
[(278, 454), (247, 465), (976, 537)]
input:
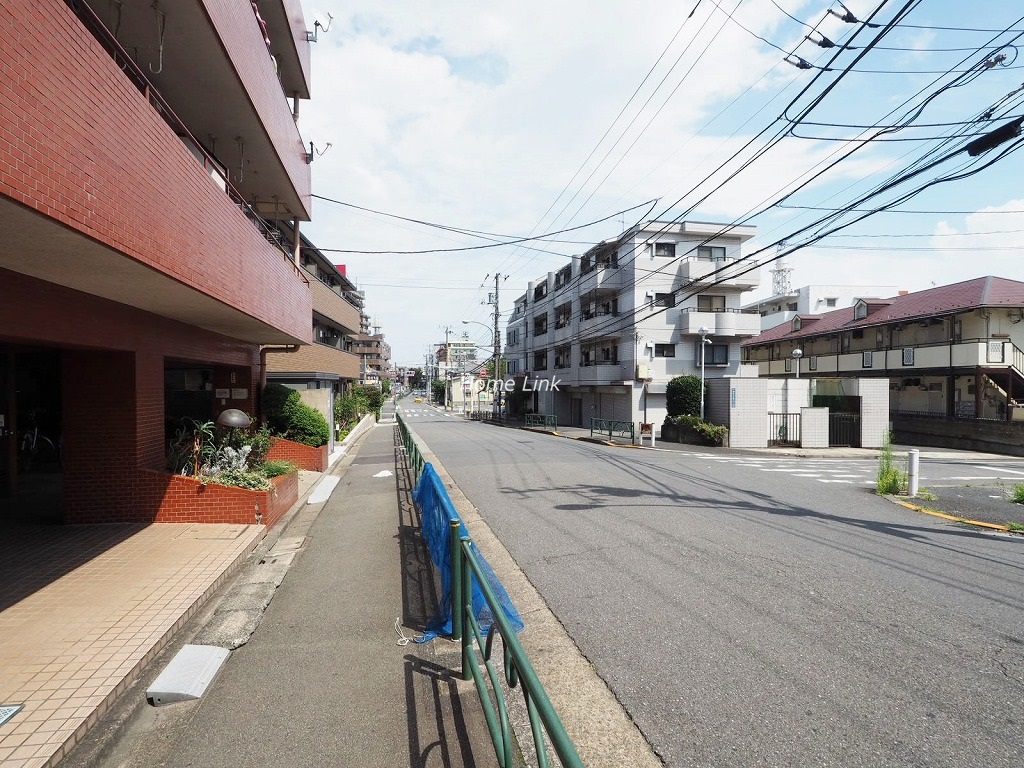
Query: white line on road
[(323, 490)]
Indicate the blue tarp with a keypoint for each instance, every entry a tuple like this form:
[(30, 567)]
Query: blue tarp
[(436, 514)]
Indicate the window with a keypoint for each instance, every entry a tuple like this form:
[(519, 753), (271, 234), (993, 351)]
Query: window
[(665, 249), (861, 310), (540, 291), (714, 354), (711, 252), (563, 316), (540, 325), (512, 337), (707, 303), (664, 299), (563, 276), (866, 359), (830, 302), (540, 361), (664, 350), (563, 356)]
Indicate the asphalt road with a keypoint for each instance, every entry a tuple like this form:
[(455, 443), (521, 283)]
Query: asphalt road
[(746, 614)]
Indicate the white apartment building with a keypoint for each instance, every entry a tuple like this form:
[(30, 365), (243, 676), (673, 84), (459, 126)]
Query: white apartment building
[(813, 300), (602, 336)]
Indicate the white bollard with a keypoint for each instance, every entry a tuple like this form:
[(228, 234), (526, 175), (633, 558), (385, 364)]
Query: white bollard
[(912, 470)]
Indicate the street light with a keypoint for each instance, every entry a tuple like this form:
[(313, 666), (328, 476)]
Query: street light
[(703, 331), (797, 354)]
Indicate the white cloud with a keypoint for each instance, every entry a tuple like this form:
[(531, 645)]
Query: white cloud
[(477, 116)]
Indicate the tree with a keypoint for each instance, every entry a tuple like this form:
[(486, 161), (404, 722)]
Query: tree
[(438, 390), (682, 396)]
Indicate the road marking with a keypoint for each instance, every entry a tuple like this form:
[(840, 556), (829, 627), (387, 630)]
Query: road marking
[(996, 469), (323, 490)]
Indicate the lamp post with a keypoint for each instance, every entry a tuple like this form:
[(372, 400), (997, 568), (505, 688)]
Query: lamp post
[(797, 354), (703, 331)]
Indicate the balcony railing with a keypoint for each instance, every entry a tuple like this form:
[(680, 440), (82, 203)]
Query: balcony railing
[(135, 74)]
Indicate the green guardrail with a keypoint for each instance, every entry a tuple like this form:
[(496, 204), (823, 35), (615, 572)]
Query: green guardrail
[(518, 671), (612, 428), (545, 724), (412, 451), (541, 420)]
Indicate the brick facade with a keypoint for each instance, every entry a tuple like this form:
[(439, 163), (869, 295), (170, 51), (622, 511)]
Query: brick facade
[(302, 456)]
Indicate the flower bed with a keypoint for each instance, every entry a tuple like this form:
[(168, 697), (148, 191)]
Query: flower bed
[(181, 499)]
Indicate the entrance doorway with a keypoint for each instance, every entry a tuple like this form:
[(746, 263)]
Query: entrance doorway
[(31, 435)]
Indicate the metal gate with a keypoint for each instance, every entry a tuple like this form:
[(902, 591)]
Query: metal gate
[(783, 429), (844, 429)]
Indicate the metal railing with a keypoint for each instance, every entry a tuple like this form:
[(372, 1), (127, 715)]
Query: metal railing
[(412, 451), (545, 725), (517, 669), (783, 429), (613, 428), (541, 420)]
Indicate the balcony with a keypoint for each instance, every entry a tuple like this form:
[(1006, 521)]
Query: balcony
[(728, 322), (600, 323), (331, 305), (117, 205), (608, 278), (218, 77), (724, 271), (601, 373), (315, 358)]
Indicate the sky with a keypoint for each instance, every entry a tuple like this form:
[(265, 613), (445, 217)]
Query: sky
[(470, 139)]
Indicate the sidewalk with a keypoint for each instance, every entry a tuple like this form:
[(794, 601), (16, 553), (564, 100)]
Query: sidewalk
[(323, 680)]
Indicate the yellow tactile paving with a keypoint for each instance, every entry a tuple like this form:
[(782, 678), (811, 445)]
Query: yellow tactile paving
[(82, 608)]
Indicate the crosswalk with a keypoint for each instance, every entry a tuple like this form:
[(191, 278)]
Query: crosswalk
[(841, 471)]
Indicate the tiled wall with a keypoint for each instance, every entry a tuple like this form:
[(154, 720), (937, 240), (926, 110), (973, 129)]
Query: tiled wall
[(814, 427)]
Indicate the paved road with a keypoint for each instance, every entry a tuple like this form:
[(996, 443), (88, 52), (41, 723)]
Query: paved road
[(746, 616)]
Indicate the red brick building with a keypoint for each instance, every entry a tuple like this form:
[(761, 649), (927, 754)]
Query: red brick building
[(152, 181)]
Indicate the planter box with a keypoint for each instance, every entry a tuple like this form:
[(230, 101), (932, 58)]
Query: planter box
[(178, 499), (302, 456)]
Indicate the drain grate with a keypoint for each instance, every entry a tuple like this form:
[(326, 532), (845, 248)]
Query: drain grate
[(7, 711)]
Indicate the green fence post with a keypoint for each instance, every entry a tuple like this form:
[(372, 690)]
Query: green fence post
[(467, 599), (457, 600)]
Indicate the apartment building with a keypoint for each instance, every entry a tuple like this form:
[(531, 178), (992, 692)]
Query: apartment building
[(812, 300), (603, 335), (325, 369), (950, 352), (375, 356), (149, 162)]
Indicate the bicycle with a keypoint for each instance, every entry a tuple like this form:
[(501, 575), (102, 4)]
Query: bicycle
[(29, 446)]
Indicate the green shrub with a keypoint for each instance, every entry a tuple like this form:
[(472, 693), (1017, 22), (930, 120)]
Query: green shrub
[(891, 479), (276, 398), (711, 434), (258, 441), (277, 467), (306, 425), (193, 446), (348, 409), (289, 417), (438, 389), (1017, 495), (682, 396), (250, 479)]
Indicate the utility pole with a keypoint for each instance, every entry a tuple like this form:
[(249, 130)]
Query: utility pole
[(492, 298), (447, 368)]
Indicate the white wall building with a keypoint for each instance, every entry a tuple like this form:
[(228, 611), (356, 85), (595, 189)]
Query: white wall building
[(603, 335), (813, 300)]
